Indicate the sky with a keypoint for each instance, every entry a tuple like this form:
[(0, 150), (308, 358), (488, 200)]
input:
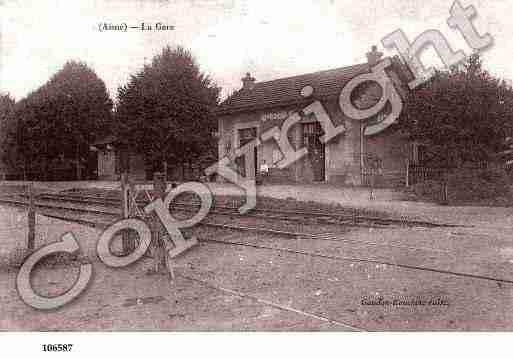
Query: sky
[(269, 39)]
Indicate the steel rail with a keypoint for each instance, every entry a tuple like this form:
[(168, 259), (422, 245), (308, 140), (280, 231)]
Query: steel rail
[(288, 234), (306, 253), (346, 218)]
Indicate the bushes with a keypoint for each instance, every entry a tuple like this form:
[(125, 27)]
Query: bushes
[(471, 187)]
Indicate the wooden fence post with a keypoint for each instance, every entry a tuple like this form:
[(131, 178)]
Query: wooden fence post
[(407, 173), (125, 201), (445, 180), (157, 228), (127, 239), (31, 240)]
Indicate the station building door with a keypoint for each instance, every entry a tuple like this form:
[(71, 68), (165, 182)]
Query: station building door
[(247, 135), (316, 149)]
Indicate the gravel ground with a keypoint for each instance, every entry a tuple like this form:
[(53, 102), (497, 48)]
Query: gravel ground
[(128, 298), (287, 291)]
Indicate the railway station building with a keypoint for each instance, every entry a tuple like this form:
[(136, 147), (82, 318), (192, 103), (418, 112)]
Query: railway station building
[(351, 158)]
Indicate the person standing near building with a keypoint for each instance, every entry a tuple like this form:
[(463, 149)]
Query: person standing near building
[(262, 172), (264, 169)]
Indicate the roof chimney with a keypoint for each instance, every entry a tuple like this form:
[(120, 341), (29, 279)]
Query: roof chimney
[(248, 82), (374, 56)]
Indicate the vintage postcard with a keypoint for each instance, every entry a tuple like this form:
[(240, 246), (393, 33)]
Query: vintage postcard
[(255, 166)]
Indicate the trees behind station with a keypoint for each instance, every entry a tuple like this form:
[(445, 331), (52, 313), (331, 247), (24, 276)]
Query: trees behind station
[(165, 111)]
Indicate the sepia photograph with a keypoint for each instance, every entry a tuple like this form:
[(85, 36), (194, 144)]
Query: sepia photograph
[(185, 166)]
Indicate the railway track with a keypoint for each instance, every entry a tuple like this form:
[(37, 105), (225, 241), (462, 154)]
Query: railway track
[(110, 209), (334, 237), (347, 218), (98, 222)]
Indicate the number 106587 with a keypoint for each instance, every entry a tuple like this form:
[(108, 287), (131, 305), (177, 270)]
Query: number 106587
[(57, 347)]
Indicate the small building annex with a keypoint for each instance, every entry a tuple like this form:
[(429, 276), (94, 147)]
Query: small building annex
[(113, 157)]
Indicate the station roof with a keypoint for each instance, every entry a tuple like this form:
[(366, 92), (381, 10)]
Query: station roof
[(287, 91), (109, 140)]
